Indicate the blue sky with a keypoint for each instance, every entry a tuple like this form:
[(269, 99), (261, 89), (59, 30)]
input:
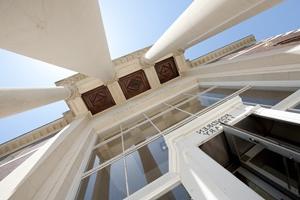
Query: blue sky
[(130, 25)]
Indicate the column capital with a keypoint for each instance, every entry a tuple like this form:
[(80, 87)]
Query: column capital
[(111, 81), (145, 63), (178, 52), (74, 92)]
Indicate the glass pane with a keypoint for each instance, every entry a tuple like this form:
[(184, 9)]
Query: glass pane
[(178, 193), (268, 97), (147, 164), (132, 122), (176, 100), (215, 95), (108, 134), (156, 110), (169, 119), (196, 90), (106, 184), (193, 106), (295, 109), (297, 106), (139, 134), (105, 152)]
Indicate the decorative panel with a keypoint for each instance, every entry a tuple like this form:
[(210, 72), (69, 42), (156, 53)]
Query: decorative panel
[(166, 70), (134, 84), (98, 99)]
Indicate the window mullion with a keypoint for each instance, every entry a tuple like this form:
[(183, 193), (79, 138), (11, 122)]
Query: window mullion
[(125, 163)]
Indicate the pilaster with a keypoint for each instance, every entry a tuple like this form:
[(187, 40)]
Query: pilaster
[(152, 77), (116, 92)]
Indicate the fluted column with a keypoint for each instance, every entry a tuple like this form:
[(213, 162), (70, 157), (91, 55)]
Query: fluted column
[(201, 20), (16, 100)]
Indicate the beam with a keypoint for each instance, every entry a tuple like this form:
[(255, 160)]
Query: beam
[(13, 101), (201, 20), (69, 34)]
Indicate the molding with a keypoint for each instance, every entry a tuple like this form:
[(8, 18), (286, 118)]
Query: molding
[(71, 80), (132, 56), (224, 51), (118, 61), (252, 83), (35, 135), (285, 59)]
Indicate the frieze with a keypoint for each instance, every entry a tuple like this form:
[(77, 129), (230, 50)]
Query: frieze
[(130, 57), (71, 80)]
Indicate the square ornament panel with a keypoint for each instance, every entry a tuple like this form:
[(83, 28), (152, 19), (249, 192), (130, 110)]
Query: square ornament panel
[(134, 84), (166, 70), (98, 99)]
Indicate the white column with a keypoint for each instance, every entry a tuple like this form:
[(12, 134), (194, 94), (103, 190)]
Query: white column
[(68, 34), (203, 19), (13, 101)]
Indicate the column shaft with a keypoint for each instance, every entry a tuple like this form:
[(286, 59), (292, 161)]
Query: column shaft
[(14, 101), (203, 19)]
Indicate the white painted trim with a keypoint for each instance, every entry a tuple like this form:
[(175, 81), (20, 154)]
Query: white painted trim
[(157, 188), (288, 102), (253, 83), (74, 188)]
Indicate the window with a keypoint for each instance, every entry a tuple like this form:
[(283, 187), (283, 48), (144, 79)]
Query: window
[(126, 174), (215, 95), (147, 164), (266, 97), (133, 154), (178, 193), (295, 109)]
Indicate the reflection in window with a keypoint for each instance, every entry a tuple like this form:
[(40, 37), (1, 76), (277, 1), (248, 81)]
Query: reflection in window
[(193, 106), (266, 97), (143, 166), (106, 184), (169, 119), (178, 193), (297, 107), (178, 99), (215, 95), (147, 164), (196, 90), (157, 110), (105, 135), (139, 134), (105, 152), (132, 122)]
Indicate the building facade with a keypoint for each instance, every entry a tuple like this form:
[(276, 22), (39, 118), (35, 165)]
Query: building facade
[(223, 126)]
